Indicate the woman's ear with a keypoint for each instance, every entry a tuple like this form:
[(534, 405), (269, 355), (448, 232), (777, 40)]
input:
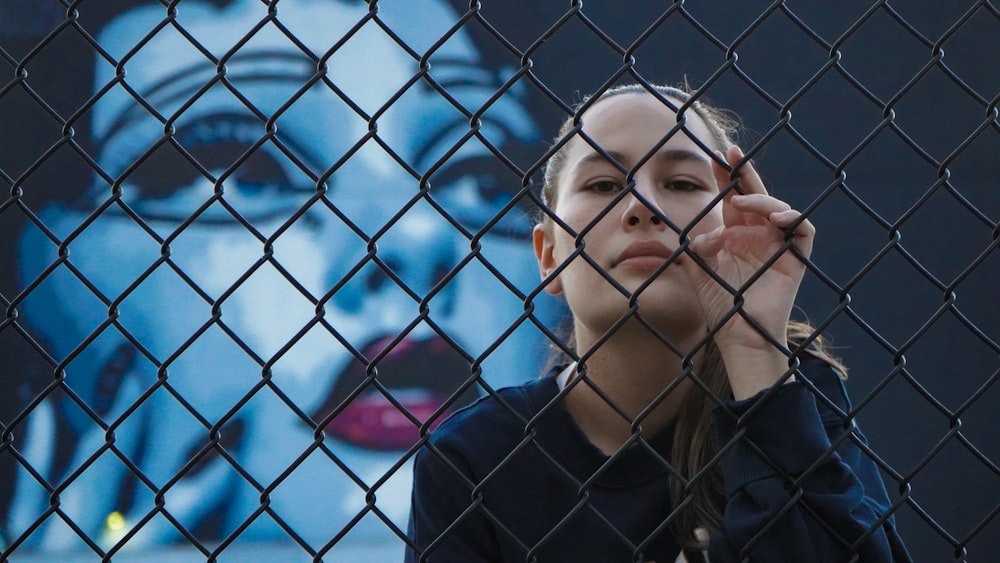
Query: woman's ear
[(541, 240)]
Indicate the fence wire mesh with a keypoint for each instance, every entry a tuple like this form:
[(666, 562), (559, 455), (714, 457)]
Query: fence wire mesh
[(255, 252)]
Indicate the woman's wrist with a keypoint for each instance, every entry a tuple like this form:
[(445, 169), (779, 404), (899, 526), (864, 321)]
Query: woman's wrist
[(752, 370)]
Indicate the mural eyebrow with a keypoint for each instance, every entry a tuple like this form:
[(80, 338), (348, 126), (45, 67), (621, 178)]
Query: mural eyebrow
[(185, 81), (457, 72)]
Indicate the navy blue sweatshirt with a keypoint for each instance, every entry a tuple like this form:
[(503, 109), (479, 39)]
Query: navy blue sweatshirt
[(512, 478)]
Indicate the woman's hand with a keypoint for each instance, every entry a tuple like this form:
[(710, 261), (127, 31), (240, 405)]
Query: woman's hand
[(754, 231)]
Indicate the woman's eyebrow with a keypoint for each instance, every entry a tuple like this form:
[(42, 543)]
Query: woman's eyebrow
[(602, 157), (619, 159), (682, 155)]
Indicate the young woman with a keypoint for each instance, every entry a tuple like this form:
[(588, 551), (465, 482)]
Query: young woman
[(695, 421)]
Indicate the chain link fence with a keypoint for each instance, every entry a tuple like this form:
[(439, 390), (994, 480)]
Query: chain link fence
[(254, 252)]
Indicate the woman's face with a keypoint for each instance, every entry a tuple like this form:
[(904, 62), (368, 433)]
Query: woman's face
[(623, 237)]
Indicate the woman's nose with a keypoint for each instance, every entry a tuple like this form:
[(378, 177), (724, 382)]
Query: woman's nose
[(642, 210)]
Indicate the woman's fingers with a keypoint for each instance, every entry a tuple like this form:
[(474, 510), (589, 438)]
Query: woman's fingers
[(730, 216), (752, 206), (759, 211), (755, 209), (750, 181), (768, 209), (758, 204), (708, 244), (803, 231)]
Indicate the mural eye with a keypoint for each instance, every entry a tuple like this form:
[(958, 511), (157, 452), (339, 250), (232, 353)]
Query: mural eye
[(167, 185), (475, 192), (160, 174), (258, 174)]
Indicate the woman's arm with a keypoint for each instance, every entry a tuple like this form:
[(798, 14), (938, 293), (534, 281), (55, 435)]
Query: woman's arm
[(791, 495), (798, 486)]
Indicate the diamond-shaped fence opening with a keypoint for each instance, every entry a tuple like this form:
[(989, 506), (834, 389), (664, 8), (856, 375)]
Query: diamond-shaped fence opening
[(255, 253)]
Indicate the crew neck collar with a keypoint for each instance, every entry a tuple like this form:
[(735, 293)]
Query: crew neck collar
[(558, 434)]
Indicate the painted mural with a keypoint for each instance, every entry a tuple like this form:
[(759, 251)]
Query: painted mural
[(257, 297)]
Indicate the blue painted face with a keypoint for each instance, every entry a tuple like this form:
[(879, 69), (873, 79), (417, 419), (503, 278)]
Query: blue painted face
[(284, 242)]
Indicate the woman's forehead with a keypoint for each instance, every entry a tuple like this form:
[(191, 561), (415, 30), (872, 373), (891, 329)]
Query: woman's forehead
[(636, 122)]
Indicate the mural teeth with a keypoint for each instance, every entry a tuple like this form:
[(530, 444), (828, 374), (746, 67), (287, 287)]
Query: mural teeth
[(220, 128), (372, 421)]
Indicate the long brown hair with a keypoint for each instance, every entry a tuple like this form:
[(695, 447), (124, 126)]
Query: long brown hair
[(694, 443)]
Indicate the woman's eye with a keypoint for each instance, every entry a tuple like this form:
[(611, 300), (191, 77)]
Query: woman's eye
[(683, 186), (604, 187)]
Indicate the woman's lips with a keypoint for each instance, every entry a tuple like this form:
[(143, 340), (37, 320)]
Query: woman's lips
[(644, 255)]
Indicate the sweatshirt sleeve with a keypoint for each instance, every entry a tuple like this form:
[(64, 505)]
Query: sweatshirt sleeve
[(447, 524), (798, 486)]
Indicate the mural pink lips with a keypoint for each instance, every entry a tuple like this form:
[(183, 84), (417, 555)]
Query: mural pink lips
[(419, 375), (374, 422)]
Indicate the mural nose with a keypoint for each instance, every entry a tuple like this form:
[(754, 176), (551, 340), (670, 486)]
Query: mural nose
[(416, 252), (419, 249)]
